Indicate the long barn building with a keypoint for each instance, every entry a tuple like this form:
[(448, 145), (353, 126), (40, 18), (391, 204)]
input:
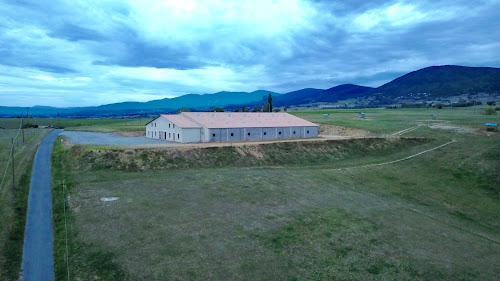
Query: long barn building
[(229, 126)]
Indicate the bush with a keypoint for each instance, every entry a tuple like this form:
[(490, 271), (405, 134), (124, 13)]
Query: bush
[(26, 126), (491, 103), (490, 111)]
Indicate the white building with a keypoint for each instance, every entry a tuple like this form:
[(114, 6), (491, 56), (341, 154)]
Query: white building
[(229, 126)]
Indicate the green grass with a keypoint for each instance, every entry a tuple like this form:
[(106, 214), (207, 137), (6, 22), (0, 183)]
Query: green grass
[(384, 121), (90, 124), (87, 262), (13, 201), (287, 211), (12, 247)]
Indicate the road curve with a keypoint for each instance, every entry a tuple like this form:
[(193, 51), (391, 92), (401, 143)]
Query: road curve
[(38, 252)]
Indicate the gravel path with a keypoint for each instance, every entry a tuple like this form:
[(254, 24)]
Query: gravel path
[(108, 139)]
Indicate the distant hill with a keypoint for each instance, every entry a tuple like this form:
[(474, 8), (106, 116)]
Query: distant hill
[(192, 101), (424, 84), (443, 81), (309, 95)]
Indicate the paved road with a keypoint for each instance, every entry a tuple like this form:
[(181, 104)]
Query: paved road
[(108, 139), (38, 253)]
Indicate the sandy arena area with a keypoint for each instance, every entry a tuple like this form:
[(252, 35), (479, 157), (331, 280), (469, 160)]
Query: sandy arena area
[(94, 138)]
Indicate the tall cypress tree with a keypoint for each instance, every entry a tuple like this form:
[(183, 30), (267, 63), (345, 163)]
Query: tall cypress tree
[(270, 102)]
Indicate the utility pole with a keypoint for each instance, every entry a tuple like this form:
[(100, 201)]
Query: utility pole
[(22, 126), (13, 171)]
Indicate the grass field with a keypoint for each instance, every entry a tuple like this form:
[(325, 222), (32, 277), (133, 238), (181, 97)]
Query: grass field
[(13, 201), (284, 212), (90, 124), (384, 121)]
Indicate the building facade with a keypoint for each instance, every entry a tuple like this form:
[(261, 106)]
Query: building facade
[(229, 126)]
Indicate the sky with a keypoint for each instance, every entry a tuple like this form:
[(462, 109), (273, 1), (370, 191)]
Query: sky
[(93, 52)]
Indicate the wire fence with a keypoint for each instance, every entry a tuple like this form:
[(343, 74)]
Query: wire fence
[(15, 140)]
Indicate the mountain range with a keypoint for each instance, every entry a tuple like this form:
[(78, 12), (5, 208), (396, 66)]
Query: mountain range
[(425, 84)]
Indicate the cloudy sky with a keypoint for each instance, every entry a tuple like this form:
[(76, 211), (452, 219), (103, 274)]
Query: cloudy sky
[(91, 52)]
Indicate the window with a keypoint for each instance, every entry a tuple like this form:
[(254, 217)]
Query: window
[(169, 125), (308, 132), (294, 132), (178, 136), (265, 133), (155, 133), (248, 133), (213, 135), (168, 135), (279, 133), (232, 134), (155, 124), (173, 126)]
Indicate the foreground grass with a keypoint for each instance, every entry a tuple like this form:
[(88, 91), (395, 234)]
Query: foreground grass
[(432, 217), (13, 201)]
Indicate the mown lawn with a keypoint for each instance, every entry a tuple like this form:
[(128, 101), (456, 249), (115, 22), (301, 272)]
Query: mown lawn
[(433, 217)]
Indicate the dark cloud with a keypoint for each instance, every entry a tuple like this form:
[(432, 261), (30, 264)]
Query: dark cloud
[(135, 53), (136, 47), (73, 32), (51, 68)]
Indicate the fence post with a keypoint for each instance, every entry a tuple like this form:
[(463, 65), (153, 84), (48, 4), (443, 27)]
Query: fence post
[(13, 171)]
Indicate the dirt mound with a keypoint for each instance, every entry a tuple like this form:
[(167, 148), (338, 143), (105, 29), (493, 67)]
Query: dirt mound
[(334, 130)]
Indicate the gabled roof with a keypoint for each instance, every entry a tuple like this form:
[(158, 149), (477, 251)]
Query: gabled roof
[(246, 119), (180, 121)]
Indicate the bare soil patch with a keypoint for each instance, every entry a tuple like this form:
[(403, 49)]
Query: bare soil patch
[(334, 130), (131, 133), (450, 127)]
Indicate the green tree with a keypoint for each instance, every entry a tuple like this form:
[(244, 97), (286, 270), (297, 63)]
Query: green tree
[(490, 111), (183, 109), (270, 102), (244, 109), (219, 109)]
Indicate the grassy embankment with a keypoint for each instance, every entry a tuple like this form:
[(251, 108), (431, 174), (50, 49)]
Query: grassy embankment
[(13, 201), (287, 211)]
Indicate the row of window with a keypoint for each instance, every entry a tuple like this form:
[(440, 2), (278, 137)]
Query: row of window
[(265, 133), (154, 125), (153, 134)]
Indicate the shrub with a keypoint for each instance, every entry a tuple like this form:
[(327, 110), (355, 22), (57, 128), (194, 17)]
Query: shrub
[(491, 103), (490, 111), (26, 126)]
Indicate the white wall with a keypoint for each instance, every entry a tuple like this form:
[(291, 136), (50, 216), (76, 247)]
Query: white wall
[(162, 128), (191, 135)]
